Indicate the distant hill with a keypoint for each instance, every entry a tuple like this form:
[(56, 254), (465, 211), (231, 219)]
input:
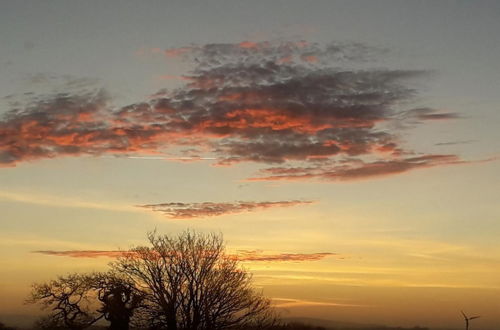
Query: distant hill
[(24, 322), (332, 324)]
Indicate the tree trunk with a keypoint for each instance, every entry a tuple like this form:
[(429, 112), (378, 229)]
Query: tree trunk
[(119, 323)]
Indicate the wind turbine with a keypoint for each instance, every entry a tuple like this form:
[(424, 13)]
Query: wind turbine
[(468, 319)]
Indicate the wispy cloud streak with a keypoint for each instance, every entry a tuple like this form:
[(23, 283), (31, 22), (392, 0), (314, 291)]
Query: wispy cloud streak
[(255, 255), (357, 170), (288, 303), (178, 210), (243, 255), (85, 253)]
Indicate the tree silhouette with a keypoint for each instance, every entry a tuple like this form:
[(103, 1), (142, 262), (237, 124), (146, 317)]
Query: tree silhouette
[(183, 282), (77, 301), (119, 299), (4, 327), (67, 298), (190, 283)]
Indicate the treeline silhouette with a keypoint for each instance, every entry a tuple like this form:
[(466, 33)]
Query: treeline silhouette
[(4, 327), (183, 282), (283, 326)]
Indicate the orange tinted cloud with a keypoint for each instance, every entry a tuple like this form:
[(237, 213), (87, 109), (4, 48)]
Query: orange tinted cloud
[(243, 102), (243, 255), (176, 52), (177, 210), (248, 44), (310, 58)]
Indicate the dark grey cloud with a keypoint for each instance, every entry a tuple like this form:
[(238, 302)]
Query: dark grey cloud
[(293, 103), (450, 143), (423, 114)]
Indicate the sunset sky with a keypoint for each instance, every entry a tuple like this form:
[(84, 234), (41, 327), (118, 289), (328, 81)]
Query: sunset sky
[(348, 151)]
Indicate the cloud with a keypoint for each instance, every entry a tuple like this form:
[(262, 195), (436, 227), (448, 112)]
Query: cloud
[(293, 103), (420, 115), (62, 201), (255, 255), (356, 169), (84, 253), (54, 126), (76, 124), (243, 255), (288, 302), (450, 143), (178, 210)]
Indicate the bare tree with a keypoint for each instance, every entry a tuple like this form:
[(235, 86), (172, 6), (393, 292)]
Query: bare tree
[(183, 282), (78, 301), (155, 272), (67, 298), (190, 283)]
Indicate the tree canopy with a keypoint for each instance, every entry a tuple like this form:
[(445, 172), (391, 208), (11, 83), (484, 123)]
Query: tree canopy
[(182, 282)]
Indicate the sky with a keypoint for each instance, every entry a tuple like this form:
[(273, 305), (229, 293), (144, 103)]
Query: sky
[(347, 150)]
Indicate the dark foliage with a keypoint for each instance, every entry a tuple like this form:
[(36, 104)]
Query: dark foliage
[(4, 327)]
